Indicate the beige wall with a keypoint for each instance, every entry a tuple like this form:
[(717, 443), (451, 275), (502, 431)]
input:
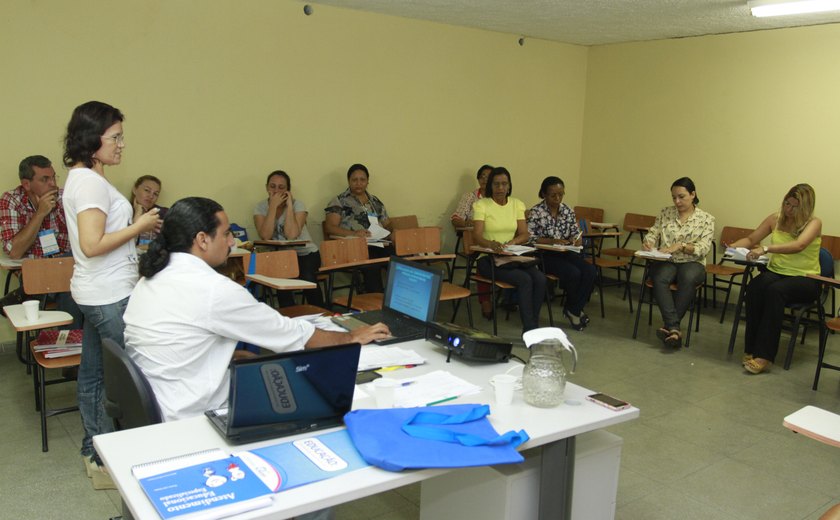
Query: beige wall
[(219, 93), (746, 116)]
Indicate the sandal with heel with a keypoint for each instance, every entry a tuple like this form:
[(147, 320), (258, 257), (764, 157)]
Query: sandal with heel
[(757, 365)]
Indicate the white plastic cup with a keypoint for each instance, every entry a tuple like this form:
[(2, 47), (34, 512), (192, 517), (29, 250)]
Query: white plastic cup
[(383, 390), (31, 309), (504, 385)]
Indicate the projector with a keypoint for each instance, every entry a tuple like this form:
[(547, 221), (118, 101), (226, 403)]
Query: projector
[(467, 343)]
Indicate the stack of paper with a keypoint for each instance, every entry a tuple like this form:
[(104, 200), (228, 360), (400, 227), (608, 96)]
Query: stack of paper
[(653, 254), (373, 357), (59, 343), (433, 388), (519, 250), (740, 253)]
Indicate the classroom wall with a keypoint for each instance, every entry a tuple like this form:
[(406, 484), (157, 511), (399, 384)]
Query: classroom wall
[(746, 116), (218, 93)]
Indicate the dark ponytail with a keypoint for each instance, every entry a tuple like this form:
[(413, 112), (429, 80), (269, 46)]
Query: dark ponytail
[(184, 220)]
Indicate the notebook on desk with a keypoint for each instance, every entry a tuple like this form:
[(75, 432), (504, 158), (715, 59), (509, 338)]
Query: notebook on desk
[(288, 393), (409, 303)]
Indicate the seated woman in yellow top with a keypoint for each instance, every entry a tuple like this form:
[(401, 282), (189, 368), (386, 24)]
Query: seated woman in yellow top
[(499, 220), (795, 252), (686, 232)]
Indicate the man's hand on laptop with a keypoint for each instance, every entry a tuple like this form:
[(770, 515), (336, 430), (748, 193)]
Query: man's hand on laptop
[(365, 335)]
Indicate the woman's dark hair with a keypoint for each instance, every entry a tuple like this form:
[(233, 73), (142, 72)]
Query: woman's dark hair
[(688, 184), (184, 220), (140, 180), (84, 131), (483, 167), (281, 173), (357, 167), (548, 182), (499, 170)]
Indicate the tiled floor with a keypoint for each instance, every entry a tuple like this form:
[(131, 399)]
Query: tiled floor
[(709, 443)]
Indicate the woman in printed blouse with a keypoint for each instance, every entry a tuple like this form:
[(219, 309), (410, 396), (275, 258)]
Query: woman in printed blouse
[(553, 222), (350, 214), (463, 218), (283, 217), (794, 253), (498, 221), (686, 232)]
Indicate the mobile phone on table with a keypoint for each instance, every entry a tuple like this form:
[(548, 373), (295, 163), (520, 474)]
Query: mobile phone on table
[(366, 376), (608, 401)]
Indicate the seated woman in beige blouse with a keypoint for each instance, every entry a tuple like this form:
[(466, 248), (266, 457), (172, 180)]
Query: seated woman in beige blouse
[(686, 232)]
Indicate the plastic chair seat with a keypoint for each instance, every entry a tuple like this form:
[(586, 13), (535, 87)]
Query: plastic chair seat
[(723, 270)]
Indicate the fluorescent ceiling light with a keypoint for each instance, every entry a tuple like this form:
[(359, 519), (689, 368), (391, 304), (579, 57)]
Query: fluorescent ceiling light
[(762, 8)]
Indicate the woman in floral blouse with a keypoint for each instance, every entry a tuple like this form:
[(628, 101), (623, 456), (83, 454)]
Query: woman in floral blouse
[(553, 222), (686, 232)]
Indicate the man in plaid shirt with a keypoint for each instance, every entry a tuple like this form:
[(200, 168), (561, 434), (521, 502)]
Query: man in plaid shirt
[(34, 206)]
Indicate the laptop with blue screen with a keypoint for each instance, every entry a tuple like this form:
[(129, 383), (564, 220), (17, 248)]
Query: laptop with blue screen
[(410, 302), (288, 393)]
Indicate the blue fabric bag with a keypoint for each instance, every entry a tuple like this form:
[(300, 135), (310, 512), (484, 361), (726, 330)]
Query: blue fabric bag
[(452, 436)]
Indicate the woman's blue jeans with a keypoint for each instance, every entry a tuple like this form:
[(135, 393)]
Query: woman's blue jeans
[(101, 321)]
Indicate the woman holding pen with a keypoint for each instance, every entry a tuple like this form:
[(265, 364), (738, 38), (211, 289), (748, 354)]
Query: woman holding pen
[(685, 232), (553, 222)]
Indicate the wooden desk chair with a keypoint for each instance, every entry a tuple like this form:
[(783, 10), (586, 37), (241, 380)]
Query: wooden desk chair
[(634, 223), (348, 255), (801, 314), (490, 282), (646, 296), (622, 266), (459, 253), (423, 245), (43, 276), (832, 325), (404, 222), (279, 264), (723, 273)]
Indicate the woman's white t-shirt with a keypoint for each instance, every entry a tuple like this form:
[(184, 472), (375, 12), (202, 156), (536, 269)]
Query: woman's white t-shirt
[(108, 278)]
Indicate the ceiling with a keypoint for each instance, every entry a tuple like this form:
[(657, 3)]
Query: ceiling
[(589, 22)]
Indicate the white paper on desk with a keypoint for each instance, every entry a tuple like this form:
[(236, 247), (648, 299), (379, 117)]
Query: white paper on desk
[(563, 247), (740, 253), (431, 387), (322, 322), (603, 225), (377, 232), (519, 250), (373, 357), (653, 254)]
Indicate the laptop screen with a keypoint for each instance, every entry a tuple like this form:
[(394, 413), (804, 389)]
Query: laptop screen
[(303, 388), (412, 289)]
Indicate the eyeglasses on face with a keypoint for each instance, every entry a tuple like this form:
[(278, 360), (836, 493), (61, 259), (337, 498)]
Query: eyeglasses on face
[(117, 138)]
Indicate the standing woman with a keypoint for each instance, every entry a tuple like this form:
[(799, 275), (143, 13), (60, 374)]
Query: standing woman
[(553, 222), (352, 212), (498, 221), (686, 232), (795, 253), (102, 236), (283, 217)]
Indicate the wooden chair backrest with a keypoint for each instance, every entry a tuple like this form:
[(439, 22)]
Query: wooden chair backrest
[(730, 234), (590, 214), (467, 241), (634, 221), (404, 222), (416, 241), (47, 275), (831, 243), (277, 264), (343, 251)]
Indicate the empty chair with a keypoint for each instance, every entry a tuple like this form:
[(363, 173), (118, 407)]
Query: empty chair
[(723, 273)]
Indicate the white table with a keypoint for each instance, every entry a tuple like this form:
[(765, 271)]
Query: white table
[(553, 429), (815, 423)]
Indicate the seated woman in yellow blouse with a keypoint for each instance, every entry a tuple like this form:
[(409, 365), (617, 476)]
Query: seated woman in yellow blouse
[(794, 253), (499, 220), (686, 232)]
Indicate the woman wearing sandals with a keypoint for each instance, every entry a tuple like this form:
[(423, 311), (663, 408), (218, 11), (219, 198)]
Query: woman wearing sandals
[(795, 252), (686, 233), (553, 222)]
